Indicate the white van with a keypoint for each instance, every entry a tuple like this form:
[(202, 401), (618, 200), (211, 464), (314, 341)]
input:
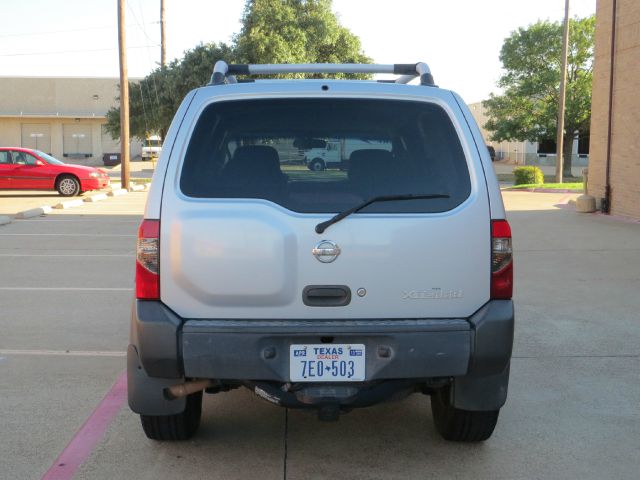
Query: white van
[(323, 290), (151, 147)]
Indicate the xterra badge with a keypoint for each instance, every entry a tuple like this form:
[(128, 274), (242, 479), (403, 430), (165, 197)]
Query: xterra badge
[(433, 294)]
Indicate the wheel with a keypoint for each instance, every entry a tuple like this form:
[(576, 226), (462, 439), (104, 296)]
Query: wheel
[(68, 186), (181, 426), (316, 165), (461, 425)]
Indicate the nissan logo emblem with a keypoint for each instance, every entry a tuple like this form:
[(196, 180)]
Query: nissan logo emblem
[(326, 251)]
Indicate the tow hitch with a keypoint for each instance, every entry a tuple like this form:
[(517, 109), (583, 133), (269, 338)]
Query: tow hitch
[(330, 399)]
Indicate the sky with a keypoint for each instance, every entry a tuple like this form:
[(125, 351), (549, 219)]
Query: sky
[(459, 39)]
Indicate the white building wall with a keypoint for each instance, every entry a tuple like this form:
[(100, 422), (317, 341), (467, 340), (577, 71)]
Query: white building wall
[(59, 101)]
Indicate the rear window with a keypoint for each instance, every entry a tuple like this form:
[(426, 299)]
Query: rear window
[(327, 155)]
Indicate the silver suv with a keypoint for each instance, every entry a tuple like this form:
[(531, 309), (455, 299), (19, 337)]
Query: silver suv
[(324, 290)]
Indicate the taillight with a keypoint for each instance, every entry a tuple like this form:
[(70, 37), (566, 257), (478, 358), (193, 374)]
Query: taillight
[(148, 261), (501, 260)]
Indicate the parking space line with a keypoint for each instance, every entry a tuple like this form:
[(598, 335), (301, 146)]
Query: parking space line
[(62, 289), (83, 220), (67, 254), (64, 235), (90, 211), (86, 439), (63, 353)]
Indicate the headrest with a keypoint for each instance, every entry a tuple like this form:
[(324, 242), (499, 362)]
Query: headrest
[(367, 164), (253, 162)]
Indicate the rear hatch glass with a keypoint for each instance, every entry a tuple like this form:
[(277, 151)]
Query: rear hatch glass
[(327, 155)]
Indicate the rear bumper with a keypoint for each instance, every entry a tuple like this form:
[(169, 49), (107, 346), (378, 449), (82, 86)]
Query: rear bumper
[(165, 349), (171, 347), (260, 350)]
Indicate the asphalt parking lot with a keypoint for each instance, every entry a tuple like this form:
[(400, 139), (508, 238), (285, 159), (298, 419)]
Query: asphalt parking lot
[(11, 202), (573, 410)]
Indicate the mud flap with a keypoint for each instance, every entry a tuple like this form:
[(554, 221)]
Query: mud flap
[(146, 394), (480, 393)]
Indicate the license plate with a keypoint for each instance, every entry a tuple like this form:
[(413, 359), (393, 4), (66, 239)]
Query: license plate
[(327, 363)]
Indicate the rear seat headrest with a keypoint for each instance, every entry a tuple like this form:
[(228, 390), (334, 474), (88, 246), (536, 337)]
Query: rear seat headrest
[(368, 163), (254, 162)]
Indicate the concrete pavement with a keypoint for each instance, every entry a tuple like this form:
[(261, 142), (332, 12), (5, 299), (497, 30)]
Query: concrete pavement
[(572, 410), (12, 201), (137, 169), (47, 392)]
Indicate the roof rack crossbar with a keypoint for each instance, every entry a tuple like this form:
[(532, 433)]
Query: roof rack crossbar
[(223, 71)]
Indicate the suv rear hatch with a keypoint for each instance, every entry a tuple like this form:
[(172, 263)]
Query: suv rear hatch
[(240, 210)]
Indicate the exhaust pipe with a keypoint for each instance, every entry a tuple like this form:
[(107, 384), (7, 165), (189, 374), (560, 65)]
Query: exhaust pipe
[(178, 391)]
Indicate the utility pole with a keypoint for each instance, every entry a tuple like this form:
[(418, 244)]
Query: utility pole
[(163, 43), (561, 100), (124, 98)]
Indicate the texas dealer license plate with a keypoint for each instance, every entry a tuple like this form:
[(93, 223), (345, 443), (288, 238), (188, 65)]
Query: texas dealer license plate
[(327, 363)]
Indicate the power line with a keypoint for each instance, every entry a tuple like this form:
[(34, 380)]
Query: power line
[(71, 30), (144, 110), (141, 26), (51, 32), (153, 77), (138, 23), (59, 52)]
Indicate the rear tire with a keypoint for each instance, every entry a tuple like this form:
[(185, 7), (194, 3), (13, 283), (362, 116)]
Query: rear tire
[(458, 425), (181, 426), (68, 186)]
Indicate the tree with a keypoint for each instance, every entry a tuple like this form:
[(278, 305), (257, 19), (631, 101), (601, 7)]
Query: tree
[(528, 106), (154, 100), (296, 31), (273, 31)]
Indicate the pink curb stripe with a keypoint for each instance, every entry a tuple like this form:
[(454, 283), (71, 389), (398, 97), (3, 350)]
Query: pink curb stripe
[(91, 432)]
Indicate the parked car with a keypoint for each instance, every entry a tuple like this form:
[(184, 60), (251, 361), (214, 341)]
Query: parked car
[(27, 169), (322, 291)]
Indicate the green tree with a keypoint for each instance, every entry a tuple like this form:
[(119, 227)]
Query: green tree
[(273, 31), (154, 100), (528, 107), (296, 31)]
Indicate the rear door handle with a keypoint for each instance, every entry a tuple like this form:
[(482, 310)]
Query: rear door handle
[(326, 295)]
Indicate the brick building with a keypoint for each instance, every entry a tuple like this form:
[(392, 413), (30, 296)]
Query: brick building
[(614, 170)]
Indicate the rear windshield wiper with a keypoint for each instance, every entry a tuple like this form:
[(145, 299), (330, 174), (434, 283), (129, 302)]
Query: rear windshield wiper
[(321, 227)]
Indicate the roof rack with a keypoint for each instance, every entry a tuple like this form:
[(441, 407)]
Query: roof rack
[(225, 73)]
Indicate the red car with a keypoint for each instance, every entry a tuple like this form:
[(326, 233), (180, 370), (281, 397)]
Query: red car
[(26, 169)]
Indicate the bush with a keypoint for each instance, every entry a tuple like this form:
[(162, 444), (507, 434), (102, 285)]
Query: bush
[(528, 175)]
